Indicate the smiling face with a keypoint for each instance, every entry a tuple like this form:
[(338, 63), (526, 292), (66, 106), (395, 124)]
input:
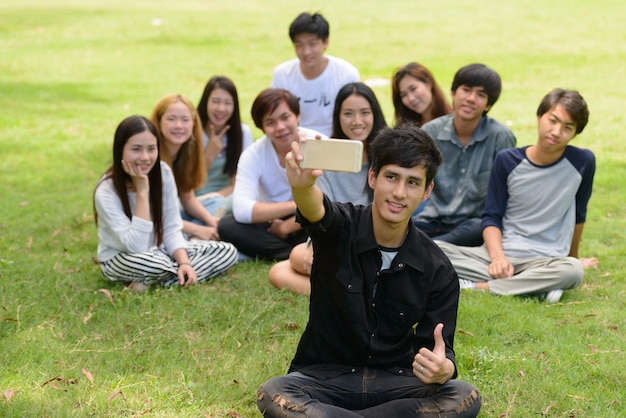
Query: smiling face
[(415, 94), (310, 51), (220, 107), (281, 127), (141, 151), (397, 192), (356, 117), (469, 102), (176, 126)]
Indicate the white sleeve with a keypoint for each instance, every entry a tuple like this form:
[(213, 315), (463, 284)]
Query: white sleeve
[(277, 80), (247, 136), (173, 238), (350, 73), (117, 233), (283, 74), (249, 172), (356, 75)]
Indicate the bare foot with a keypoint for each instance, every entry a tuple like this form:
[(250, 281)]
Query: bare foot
[(137, 287), (589, 262)]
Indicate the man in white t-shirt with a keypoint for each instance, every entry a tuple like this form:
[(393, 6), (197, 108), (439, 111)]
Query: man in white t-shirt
[(314, 77), (263, 222)]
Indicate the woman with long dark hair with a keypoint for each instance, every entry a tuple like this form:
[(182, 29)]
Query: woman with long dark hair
[(224, 137), (140, 240)]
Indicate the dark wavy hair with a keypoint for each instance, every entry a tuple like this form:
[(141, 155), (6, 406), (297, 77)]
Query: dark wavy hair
[(440, 105), (234, 145), (129, 127)]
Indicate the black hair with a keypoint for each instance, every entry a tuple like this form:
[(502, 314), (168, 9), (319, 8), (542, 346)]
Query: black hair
[(234, 145), (479, 75), (572, 102), (408, 146), (309, 23), (130, 126), (363, 90)]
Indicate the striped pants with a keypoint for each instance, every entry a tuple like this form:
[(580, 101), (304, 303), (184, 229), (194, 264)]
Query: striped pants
[(208, 259)]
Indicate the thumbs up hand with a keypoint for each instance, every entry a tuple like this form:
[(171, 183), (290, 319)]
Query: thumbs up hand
[(433, 366)]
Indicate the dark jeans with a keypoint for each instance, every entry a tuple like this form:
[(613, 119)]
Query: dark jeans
[(254, 240), (366, 393), (468, 233)]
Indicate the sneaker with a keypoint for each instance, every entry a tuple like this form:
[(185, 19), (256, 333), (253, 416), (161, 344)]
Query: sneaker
[(138, 287), (553, 296), (465, 284)]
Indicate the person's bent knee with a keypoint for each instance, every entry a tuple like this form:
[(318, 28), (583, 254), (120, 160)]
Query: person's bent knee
[(573, 273), (263, 399), (283, 276), (470, 400), (453, 398), (272, 402), (301, 258), (278, 272), (225, 226)]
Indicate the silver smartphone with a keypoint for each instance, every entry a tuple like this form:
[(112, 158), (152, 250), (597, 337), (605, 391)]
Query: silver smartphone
[(332, 154)]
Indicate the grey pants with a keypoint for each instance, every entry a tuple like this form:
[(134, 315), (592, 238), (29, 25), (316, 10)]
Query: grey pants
[(531, 275)]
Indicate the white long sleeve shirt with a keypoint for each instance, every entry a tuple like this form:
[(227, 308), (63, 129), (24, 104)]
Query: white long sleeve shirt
[(117, 233), (261, 178)]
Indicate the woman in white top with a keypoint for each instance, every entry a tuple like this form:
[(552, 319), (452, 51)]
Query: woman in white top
[(224, 138), (357, 116), (140, 241), (180, 137)]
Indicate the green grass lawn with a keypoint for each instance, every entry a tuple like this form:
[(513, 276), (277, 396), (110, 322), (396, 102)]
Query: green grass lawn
[(73, 345)]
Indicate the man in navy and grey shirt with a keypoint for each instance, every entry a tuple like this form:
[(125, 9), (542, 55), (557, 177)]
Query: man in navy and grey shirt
[(535, 210)]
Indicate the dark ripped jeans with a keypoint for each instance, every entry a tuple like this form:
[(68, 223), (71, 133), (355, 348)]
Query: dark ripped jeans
[(366, 393)]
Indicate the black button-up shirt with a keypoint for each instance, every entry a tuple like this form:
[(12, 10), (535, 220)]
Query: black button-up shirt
[(361, 316)]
